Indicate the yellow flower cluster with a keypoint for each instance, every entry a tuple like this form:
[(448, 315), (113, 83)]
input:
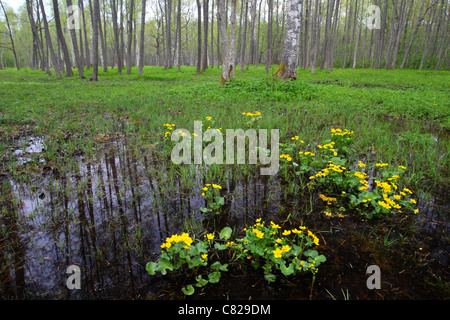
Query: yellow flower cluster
[(184, 237), (328, 199), (361, 165), (278, 252), (206, 187), (294, 138), (274, 225), (381, 165), (208, 118), (326, 171), (249, 114), (169, 127), (326, 146), (286, 156), (258, 233), (307, 153), (339, 132), (386, 187), (315, 238)]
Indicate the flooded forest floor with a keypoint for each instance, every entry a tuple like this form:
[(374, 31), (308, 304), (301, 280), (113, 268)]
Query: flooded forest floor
[(86, 179)]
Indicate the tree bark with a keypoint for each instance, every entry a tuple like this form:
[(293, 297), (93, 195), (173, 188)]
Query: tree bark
[(199, 40), (244, 37), (205, 36), (116, 35), (95, 18), (39, 42), (142, 40), (228, 47), (288, 66), (130, 36)]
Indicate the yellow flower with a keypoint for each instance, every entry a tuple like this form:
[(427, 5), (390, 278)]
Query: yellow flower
[(205, 189), (402, 167), (208, 118), (301, 141), (210, 236), (286, 248), (278, 240), (204, 256), (274, 226), (335, 154), (286, 232), (413, 201), (294, 138), (278, 253), (203, 194), (258, 220), (416, 211), (397, 197)]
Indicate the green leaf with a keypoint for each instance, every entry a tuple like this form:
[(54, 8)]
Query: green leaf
[(319, 259), (204, 210), (220, 200), (151, 267), (270, 277), (286, 271), (214, 277), (225, 233), (200, 281), (311, 253), (163, 265), (220, 246), (188, 290)]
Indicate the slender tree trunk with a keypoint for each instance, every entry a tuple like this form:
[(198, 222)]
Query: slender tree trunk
[(399, 33), (269, 36), (102, 36), (73, 35), (130, 36), (49, 40), (10, 37), (416, 28), (95, 18), (142, 40), (35, 31), (199, 40), (314, 37), (359, 36), (86, 41), (443, 43), (244, 37), (205, 36), (212, 35), (116, 35), (288, 65)]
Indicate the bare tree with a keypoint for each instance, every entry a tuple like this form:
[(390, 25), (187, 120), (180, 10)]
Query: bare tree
[(205, 35), (269, 36), (228, 47), (49, 40), (116, 35)]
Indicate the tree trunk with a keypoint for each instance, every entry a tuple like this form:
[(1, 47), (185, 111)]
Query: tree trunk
[(39, 42), (199, 35), (116, 35), (359, 36), (228, 47), (142, 40), (416, 28), (10, 37), (95, 18), (130, 36), (269, 36), (288, 65), (49, 41), (205, 36), (443, 44), (244, 37), (73, 35), (212, 35)]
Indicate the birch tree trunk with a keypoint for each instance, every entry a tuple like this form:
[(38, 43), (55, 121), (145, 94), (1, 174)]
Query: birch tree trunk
[(142, 39), (35, 32), (95, 18), (130, 36), (205, 36), (416, 28), (355, 54), (228, 47), (288, 66)]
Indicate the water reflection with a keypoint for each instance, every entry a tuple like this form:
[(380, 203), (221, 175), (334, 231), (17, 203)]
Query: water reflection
[(110, 216)]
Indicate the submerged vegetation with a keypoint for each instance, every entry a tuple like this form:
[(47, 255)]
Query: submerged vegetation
[(87, 179)]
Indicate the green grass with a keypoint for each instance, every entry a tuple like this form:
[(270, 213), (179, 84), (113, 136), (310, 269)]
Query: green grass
[(398, 116)]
